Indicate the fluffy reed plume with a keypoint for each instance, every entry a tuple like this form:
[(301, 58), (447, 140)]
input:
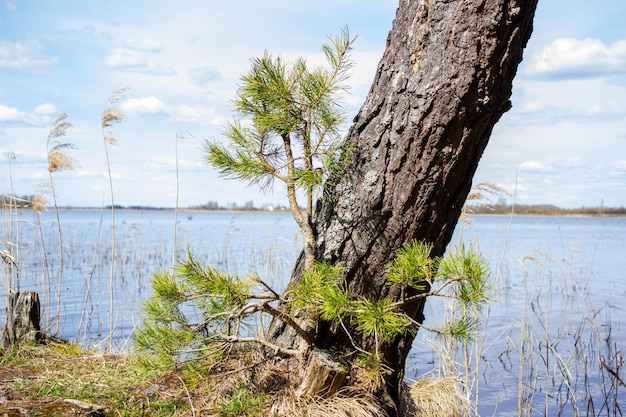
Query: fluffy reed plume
[(39, 203), (480, 196), (436, 397), (58, 161), (111, 116)]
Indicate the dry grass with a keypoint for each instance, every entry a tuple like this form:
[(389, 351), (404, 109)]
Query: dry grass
[(437, 397), (62, 379), (346, 403)]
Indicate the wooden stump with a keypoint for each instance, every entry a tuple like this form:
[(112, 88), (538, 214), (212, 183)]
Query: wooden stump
[(23, 319), (324, 376)]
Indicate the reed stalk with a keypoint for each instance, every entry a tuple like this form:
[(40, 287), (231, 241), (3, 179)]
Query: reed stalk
[(90, 279), (13, 270), (111, 116), (58, 160), (179, 136), (39, 205)]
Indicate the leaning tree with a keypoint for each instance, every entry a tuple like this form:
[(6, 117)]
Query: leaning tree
[(393, 191), (444, 81)]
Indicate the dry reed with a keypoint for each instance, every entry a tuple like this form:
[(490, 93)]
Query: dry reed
[(111, 116), (58, 161)]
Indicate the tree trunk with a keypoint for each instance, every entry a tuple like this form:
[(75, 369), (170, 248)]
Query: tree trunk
[(23, 319), (444, 80)]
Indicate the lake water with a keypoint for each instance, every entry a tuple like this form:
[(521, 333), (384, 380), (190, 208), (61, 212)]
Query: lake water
[(547, 339)]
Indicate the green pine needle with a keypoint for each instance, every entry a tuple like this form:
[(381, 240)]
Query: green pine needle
[(412, 266), (381, 319)]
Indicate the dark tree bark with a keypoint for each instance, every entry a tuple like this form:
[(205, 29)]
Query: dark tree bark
[(444, 80)]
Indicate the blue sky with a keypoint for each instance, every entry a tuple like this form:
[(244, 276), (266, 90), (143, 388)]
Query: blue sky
[(563, 143)]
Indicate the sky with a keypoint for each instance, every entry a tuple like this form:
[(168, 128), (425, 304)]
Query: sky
[(563, 142)]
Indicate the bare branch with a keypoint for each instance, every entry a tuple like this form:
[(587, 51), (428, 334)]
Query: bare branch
[(288, 320), (262, 342)]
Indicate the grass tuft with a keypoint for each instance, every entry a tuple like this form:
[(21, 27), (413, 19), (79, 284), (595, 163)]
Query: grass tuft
[(436, 397), (346, 403)]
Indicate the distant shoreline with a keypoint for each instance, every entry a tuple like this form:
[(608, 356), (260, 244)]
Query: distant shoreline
[(501, 208), (546, 210), (539, 211)]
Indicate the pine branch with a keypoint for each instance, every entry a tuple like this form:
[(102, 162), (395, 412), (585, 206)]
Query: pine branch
[(288, 320)]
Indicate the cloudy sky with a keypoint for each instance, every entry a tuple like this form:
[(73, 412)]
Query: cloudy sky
[(563, 143)]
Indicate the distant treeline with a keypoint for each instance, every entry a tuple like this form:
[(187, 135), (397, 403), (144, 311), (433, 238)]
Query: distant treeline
[(10, 201), (248, 206), (546, 210), (24, 202)]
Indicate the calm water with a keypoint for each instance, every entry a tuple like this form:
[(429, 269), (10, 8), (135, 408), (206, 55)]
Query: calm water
[(559, 288), (266, 243)]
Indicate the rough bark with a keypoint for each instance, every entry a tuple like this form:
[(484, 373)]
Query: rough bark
[(23, 319), (444, 80)]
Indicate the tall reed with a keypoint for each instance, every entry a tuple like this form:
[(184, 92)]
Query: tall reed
[(38, 206), (58, 160), (10, 255), (179, 136), (111, 116)]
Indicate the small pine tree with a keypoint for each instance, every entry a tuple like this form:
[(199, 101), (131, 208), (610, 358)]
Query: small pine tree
[(289, 128)]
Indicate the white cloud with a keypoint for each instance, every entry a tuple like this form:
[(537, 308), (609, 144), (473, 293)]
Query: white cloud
[(568, 58), (575, 101), (12, 115), (200, 114), (125, 58), (46, 108), (10, 5), (534, 166), (8, 114), (132, 61), (144, 105), (152, 105), (24, 56)]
